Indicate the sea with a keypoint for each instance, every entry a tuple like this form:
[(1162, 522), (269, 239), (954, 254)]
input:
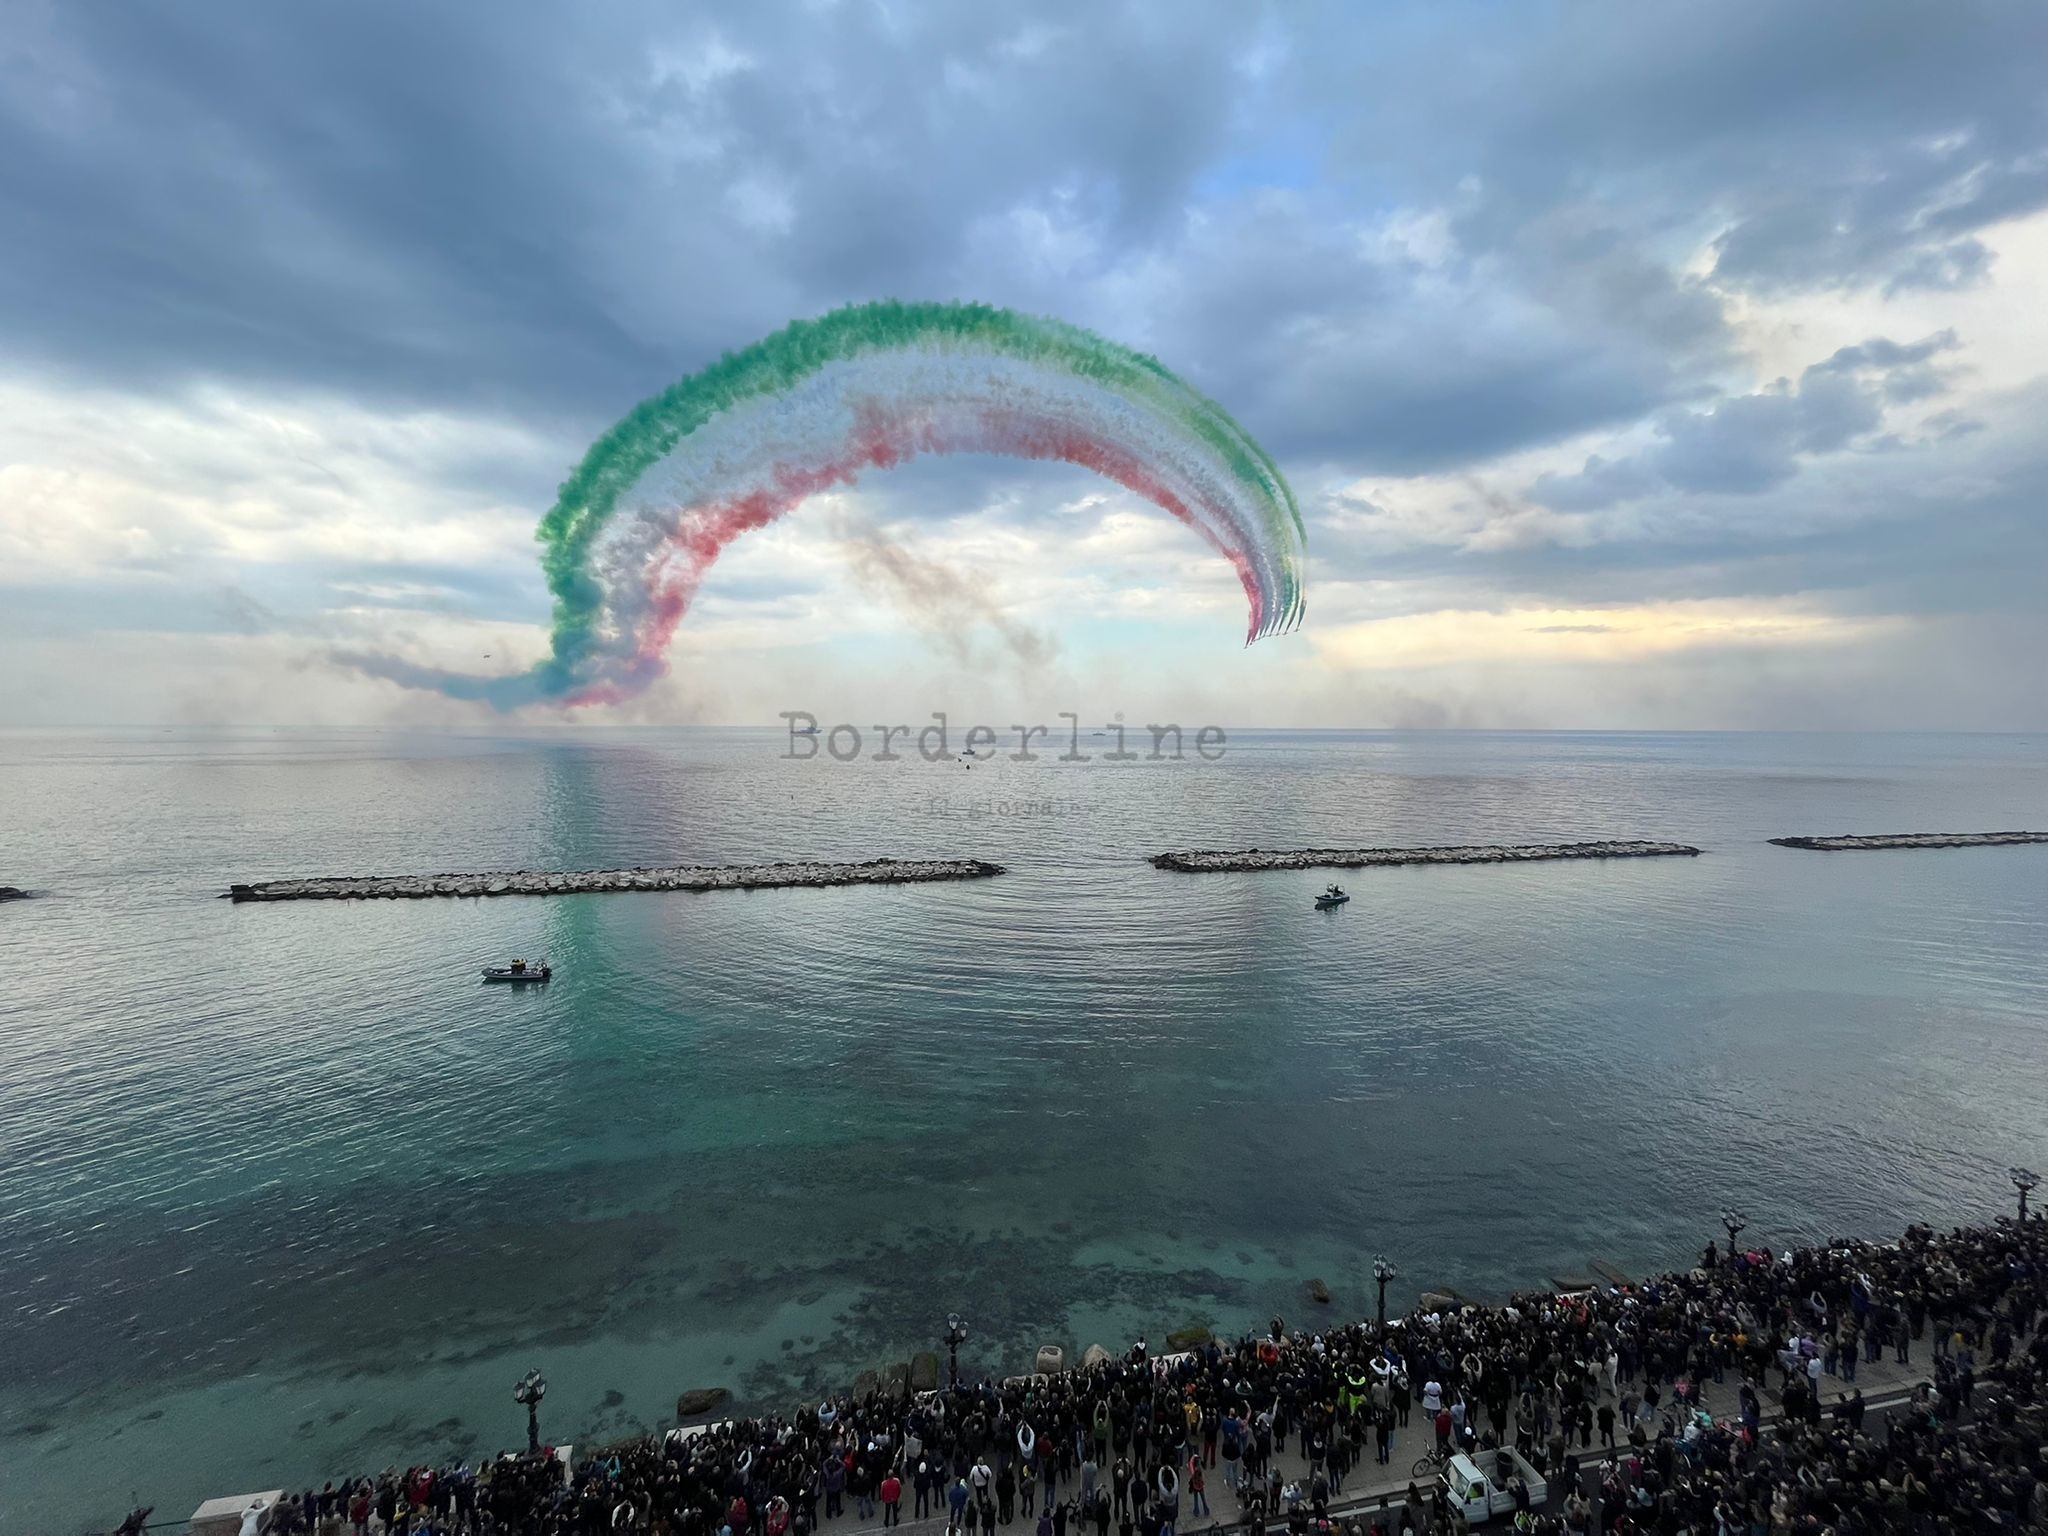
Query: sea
[(287, 1193)]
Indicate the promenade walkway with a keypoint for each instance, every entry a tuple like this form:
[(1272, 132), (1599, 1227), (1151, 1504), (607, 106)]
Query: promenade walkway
[(1369, 1485)]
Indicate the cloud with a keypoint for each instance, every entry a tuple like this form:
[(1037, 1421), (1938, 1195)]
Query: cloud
[(1358, 343), (1747, 443), (318, 309), (216, 505), (1907, 226), (1602, 482), (1842, 144), (418, 207), (1607, 636)]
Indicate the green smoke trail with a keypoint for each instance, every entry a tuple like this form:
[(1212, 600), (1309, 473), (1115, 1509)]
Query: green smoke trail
[(617, 461)]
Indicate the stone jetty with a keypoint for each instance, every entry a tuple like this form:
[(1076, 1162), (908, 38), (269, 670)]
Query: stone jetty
[(1202, 861), (687, 877), (1913, 840)]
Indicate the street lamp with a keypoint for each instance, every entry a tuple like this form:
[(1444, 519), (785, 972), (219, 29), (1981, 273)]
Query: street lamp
[(2023, 1180), (956, 1335), (530, 1390), (1734, 1221), (1382, 1271)]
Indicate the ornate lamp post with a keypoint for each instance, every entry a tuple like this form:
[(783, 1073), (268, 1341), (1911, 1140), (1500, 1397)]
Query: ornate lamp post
[(1734, 1221), (1383, 1271), (956, 1335), (531, 1389), (2023, 1180)]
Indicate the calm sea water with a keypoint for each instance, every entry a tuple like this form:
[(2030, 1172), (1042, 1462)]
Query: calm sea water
[(285, 1193)]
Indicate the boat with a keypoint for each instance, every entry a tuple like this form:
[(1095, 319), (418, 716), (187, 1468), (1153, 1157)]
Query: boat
[(518, 971), (1333, 896)]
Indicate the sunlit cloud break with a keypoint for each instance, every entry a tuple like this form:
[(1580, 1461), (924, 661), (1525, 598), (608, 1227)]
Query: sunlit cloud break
[(733, 448)]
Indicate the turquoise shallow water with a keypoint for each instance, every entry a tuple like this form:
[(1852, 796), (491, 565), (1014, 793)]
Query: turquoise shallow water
[(284, 1193)]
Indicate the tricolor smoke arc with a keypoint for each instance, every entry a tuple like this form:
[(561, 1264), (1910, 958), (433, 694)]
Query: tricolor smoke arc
[(736, 446)]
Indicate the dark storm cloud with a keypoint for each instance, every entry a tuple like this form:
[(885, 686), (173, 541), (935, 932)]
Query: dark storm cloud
[(1909, 225), (557, 211), (471, 204), (1840, 143), (311, 196), (1383, 360)]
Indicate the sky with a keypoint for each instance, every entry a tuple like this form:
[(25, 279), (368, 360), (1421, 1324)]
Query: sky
[(1660, 366)]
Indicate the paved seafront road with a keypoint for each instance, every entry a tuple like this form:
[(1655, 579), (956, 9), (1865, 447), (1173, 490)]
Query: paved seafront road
[(1882, 1383)]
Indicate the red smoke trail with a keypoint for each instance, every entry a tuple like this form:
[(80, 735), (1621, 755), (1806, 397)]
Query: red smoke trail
[(881, 439)]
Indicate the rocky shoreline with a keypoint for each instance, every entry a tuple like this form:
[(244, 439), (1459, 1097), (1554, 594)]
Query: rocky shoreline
[(688, 877), (1913, 840), (1205, 861)]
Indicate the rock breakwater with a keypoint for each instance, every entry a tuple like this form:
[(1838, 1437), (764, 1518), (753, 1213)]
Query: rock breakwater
[(1913, 840), (687, 877), (1205, 860)]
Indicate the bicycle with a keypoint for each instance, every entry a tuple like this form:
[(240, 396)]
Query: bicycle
[(1431, 1463)]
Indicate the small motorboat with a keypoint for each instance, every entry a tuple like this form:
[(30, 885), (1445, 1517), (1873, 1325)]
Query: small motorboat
[(1333, 896), (518, 971)]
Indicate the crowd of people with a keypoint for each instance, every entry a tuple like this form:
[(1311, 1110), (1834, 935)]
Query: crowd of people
[(1602, 1395)]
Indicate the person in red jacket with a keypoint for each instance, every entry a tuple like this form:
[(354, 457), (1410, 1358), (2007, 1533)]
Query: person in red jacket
[(892, 1499)]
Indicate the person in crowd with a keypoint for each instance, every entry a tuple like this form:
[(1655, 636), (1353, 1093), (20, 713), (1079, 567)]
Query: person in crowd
[(892, 1499), (1966, 1454)]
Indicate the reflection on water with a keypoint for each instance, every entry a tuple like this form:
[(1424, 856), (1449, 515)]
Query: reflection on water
[(287, 1192)]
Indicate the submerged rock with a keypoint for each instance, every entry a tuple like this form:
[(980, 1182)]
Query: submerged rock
[(700, 1400), (1194, 1336), (1318, 1292), (12, 893)]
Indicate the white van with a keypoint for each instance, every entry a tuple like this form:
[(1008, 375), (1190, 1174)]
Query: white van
[(1479, 1483)]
